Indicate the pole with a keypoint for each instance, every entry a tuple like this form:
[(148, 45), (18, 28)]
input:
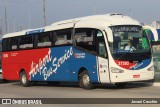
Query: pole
[(6, 24), (14, 24), (1, 29), (29, 18), (94, 7), (44, 13)]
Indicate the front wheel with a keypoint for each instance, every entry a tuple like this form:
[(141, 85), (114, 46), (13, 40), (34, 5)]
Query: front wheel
[(85, 81), (24, 80)]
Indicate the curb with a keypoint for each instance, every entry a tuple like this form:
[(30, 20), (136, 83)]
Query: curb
[(157, 84)]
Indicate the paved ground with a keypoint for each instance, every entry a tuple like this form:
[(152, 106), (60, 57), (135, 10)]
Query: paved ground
[(14, 90), (157, 76), (133, 90)]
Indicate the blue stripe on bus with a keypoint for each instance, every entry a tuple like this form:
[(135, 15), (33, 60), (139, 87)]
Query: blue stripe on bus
[(34, 31)]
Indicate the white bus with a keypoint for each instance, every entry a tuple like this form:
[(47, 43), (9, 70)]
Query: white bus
[(110, 48)]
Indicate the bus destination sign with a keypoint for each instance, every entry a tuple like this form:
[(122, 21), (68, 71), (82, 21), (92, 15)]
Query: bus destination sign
[(126, 29)]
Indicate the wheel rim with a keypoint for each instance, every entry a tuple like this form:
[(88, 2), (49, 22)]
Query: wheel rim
[(24, 79), (86, 80)]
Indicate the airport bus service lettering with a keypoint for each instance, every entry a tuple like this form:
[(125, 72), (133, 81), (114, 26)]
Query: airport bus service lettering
[(56, 63)]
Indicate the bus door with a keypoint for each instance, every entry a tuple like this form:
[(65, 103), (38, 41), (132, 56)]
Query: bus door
[(102, 58)]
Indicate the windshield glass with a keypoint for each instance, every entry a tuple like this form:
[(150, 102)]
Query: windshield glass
[(130, 43)]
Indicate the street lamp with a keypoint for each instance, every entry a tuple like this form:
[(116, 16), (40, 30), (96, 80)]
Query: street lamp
[(6, 16)]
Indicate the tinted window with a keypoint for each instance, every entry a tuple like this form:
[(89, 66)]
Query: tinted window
[(5, 45), (44, 40), (13, 45), (63, 37), (84, 39), (26, 42), (101, 44)]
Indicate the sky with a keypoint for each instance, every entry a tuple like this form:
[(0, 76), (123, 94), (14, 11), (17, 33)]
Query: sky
[(19, 12)]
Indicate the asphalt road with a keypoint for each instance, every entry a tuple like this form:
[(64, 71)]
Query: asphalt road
[(67, 90)]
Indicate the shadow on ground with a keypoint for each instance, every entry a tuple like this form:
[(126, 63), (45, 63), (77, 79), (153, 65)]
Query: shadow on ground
[(75, 85), (97, 86)]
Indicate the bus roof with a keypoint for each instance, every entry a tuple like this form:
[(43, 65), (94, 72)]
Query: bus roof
[(96, 21)]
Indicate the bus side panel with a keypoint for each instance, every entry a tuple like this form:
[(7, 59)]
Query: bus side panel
[(15, 61), (54, 66), (49, 64), (84, 60)]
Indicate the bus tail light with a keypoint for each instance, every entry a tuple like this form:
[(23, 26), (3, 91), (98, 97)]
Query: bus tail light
[(152, 68), (116, 70)]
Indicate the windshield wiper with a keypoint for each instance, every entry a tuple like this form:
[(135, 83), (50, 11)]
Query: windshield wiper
[(122, 56)]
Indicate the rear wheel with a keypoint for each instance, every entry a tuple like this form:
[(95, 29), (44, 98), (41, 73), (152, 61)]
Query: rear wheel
[(24, 80), (85, 81)]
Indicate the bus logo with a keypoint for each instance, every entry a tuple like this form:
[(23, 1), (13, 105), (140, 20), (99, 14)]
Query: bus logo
[(48, 59), (79, 55), (5, 55)]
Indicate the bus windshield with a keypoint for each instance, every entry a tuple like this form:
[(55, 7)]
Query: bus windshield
[(130, 43)]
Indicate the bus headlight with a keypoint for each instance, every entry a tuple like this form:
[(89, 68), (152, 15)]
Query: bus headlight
[(116, 70), (152, 68)]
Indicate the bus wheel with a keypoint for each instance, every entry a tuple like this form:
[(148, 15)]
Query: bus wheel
[(85, 81), (24, 80), (120, 85)]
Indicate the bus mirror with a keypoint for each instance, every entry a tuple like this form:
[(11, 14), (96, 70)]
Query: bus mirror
[(109, 34), (153, 30)]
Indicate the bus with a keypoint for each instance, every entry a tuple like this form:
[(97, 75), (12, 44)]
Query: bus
[(88, 50)]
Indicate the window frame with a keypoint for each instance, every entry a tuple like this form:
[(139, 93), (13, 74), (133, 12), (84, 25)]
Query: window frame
[(54, 34), (19, 40), (95, 40), (34, 41), (35, 38)]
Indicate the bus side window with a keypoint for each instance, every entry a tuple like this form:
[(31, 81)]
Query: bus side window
[(26, 42), (62, 37), (101, 48), (84, 38), (44, 40), (13, 43), (5, 44)]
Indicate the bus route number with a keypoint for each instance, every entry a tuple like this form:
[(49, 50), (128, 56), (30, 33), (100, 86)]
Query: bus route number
[(123, 63)]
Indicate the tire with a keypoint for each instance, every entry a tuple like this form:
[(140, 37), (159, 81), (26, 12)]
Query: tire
[(24, 80), (120, 85), (85, 81)]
